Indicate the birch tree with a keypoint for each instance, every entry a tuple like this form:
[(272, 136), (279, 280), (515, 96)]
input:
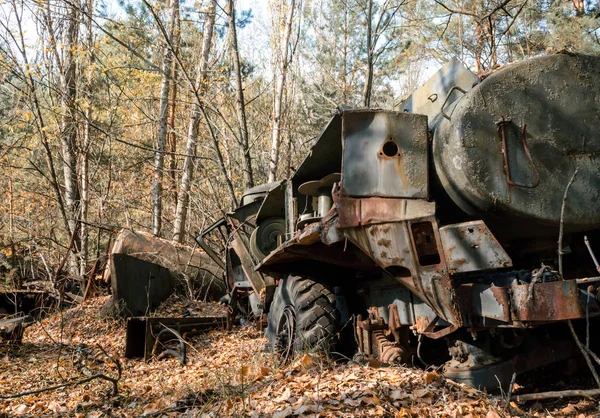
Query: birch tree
[(241, 106), (66, 62), (284, 56), (159, 155), (369, 75), (183, 197), (87, 126)]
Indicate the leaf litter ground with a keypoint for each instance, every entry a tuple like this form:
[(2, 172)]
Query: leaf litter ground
[(227, 374)]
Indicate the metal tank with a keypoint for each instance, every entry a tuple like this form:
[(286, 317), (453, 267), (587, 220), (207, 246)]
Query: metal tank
[(511, 144), (434, 225)]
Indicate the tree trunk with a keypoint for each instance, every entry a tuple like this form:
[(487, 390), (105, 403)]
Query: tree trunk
[(159, 156), (172, 138), (479, 67), (369, 75), (188, 164), (41, 126), (69, 131), (241, 107), (286, 59), (85, 198), (345, 57)]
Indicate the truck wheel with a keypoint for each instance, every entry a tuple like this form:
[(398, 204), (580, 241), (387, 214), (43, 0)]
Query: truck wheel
[(302, 317)]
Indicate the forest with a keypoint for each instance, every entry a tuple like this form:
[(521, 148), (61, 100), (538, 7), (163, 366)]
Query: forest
[(156, 116)]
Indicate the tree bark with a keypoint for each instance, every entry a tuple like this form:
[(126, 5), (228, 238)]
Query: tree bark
[(85, 198), (241, 107), (286, 59), (172, 138), (69, 130), (369, 74), (345, 57), (159, 155), (188, 164)]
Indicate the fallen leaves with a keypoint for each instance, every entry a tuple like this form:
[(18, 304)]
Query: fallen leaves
[(227, 374), (58, 408), (431, 377)]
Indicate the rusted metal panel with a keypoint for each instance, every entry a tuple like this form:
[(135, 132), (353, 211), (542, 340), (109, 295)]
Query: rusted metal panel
[(273, 204), (11, 329), (319, 241), (258, 193), (140, 339), (330, 232), (524, 304), (553, 301), (375, 210), (485, 301), (168, 254), (470, 246), (498, 374), (325, 153), (391, 247), (385, 154), (429, 98), (138, 286)]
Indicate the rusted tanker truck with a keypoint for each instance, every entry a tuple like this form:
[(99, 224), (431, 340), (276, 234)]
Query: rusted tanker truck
[(431, 232)]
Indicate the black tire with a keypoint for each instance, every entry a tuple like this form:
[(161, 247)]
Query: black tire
[(302, 317)]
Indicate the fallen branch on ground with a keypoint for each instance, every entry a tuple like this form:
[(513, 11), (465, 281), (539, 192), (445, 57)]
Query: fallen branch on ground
[(101, 376), (557, 394)]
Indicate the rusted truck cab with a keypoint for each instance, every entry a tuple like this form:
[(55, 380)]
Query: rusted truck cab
[(435, 225)]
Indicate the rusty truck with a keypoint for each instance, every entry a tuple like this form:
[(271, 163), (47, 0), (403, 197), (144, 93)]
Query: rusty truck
[(430, 232)]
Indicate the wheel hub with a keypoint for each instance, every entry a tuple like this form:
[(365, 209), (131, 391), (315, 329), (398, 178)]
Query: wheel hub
[(286, 333)]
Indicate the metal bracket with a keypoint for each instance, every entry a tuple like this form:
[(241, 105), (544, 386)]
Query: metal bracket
[(428, 331)]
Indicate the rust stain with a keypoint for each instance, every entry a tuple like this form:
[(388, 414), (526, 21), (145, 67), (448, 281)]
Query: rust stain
[(553, 301), (384, 242)]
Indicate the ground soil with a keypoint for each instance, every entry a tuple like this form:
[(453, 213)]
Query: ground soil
[(227, 374)]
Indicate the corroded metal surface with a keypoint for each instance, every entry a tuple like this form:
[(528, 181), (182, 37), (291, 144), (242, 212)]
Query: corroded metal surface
[(385, 154), (168, 254), (514, 140), (376, 210), (142, 332), (525, 304), (470, 246), (498, 374), (554, 301), (11, 329), (391, 247), (319, 241), (258, 280)]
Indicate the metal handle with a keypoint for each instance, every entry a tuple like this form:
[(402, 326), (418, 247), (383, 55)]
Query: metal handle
[(448, 98), (502, 134), (209, 251)]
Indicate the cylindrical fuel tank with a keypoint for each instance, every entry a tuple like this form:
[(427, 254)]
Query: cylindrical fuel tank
[(512, 143)]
